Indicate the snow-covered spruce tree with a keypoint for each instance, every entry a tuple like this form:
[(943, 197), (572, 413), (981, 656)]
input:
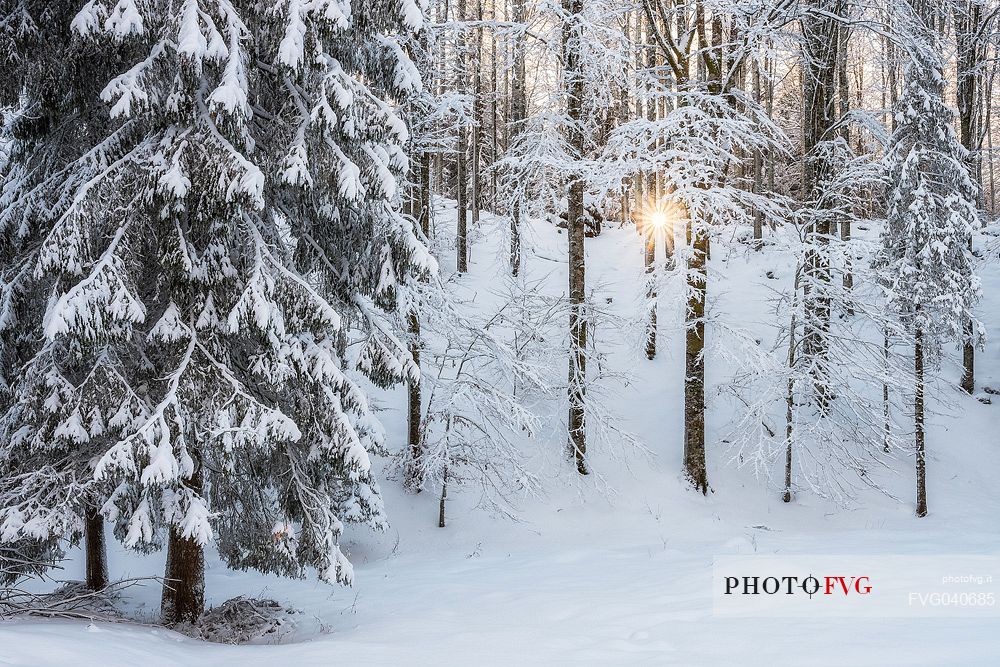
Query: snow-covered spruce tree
[(56, 135), (927, 261), (234, 239)]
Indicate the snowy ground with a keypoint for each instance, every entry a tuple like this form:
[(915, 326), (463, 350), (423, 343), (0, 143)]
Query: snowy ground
[(592, 575)]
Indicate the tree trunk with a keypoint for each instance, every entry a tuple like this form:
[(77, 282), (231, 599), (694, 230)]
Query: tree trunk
[(968, 358), (477, 119), (462, 238), (639, 179), (425, 194), (770, 115), (918, 418), (758, 218), (790, 388), (414, 473), (443, 498), (886, 416), (652, 193), (820, 44), (183, 599), (968, 63), (890, 53), (651, 292), (509, 48), (696, 287), (789, 403), (694, 361), (494, 119), (576, 228), (843, 86), (441, 15), (97, 555), (988, 125), (519, 112)]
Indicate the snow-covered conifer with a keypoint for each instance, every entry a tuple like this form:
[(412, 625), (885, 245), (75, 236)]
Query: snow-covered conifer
[(56, 136), (240, 229), (927, 263)]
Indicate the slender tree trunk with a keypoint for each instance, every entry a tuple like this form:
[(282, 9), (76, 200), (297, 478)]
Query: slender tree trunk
[(652, 192), (892, 75), (789, 404), (441, 15), (414, 472), (462, 239), (426, 203), (886, 416), (477, 123), (737, 79), (519, 113), (696, 288), (968, 358), (694, 361), (576, 230), (843, 86), (918, 418), (183, 599), (988, 129), (422, 212), (758, 218), (790, 388), (444, 497), (969, 51), (515, 241), (509, 49), (639, 180), (770, 114), (651, 292), (494, 114), (97, 555), (993, 189), (890, 51)]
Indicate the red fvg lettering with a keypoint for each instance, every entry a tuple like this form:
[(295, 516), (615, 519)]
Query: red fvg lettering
[(858, 584)]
